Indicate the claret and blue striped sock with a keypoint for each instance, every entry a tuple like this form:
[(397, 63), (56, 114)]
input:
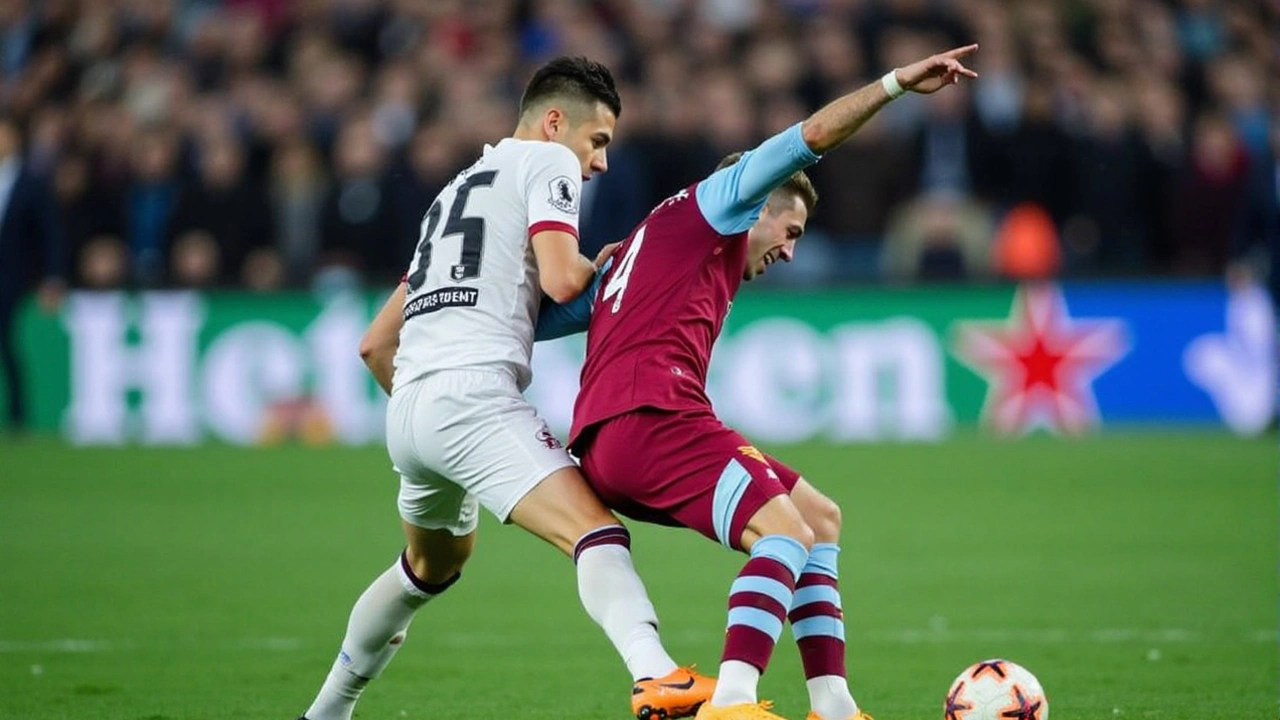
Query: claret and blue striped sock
[(758, 603), (817, 622)]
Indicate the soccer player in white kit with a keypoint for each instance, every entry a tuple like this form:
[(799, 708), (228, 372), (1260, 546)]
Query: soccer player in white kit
[(499, 236)]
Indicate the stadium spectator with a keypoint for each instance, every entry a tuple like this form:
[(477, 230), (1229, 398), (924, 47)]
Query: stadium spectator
[(1210, 196), (150, 200), (356, 221), (942, 235), (89, 215), (220, 202), (298, 187), (30, 237), (1107, 88), (1112, 226)]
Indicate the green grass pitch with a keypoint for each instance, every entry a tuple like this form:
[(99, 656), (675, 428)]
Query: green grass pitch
[(1134, 573)]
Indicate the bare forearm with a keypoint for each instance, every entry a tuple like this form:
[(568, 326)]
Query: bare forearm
[(382, 339), (382, 367), (834, 123), (842, 117)]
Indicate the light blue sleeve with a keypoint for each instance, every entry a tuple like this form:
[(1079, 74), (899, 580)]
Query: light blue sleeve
[(731, 198), (557, 320)]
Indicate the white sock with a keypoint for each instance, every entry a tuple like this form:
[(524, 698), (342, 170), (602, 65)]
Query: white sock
[(375, 631), (829, 696), (615, 598), (736, 684)]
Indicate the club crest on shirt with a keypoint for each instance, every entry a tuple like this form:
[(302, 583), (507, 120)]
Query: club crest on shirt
[(548, 439), (564, 195)]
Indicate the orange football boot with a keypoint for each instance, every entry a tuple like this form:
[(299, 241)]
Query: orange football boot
[(677, 695), (745, 711)]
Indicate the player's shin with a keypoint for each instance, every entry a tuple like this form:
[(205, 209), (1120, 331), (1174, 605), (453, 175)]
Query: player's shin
[(616, 599), (817, 622), (758, 604), (376, 630)]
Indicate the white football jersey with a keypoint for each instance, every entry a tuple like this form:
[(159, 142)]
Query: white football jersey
[(473, 290)]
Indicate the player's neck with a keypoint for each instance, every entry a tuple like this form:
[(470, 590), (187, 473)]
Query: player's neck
[(525, 132)]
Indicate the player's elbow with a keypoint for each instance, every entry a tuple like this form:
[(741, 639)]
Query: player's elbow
[(815, 135), (371, 348), (561, 288)]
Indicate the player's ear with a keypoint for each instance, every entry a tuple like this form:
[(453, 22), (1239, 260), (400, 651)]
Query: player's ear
[(553, 122)]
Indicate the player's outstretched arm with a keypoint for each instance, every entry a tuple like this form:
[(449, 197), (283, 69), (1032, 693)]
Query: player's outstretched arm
[(730, 198), (382, 339), (834, 123)]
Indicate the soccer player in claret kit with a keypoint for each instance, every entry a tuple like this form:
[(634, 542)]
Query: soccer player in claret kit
[(649, 441), (499, 236)]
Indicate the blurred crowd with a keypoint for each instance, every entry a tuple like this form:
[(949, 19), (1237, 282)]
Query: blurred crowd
[(292, 143)]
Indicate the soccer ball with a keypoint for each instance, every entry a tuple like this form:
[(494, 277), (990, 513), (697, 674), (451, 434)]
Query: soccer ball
[(996, 690)]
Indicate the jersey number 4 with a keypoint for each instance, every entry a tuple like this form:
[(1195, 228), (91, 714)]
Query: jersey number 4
[(617, 285), (470, 228)]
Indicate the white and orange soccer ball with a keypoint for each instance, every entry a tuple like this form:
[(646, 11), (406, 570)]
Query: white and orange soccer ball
[(996, 690)]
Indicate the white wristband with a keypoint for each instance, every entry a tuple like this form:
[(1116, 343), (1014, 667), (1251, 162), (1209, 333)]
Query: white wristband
[(891, 85)]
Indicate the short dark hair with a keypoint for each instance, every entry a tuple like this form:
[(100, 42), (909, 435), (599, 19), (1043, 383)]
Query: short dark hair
[(576, 78), (798, 184)]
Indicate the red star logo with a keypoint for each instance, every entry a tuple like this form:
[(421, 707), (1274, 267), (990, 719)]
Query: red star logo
[(1040, 363)]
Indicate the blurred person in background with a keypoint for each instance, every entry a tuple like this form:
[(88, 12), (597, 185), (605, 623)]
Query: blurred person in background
[(89, 216), (356, 221), (1035, 161), (1026, 245), (674, 141), (1110, 232), (942, 235), (150, 200), (1210, 197), (863, 183), (32, 247), (298, 188), (861, 187), (195, 260), (1162, 115), (1240, 89), (87, 77), (951, 148), (431, 159), (220, 204)]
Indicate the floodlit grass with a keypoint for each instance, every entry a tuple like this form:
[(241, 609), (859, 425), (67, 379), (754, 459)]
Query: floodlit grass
[(1135, 574)]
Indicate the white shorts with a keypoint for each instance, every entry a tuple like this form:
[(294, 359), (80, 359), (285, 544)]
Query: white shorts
[(465, 437)]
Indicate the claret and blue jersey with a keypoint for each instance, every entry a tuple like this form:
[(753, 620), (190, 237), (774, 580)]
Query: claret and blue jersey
[(662, 304), (730, 200)]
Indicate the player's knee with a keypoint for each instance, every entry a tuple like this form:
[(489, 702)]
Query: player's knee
[(435, 571), (824, 518), (781, 517), (798, 530), (804, 535), (439, 562)]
